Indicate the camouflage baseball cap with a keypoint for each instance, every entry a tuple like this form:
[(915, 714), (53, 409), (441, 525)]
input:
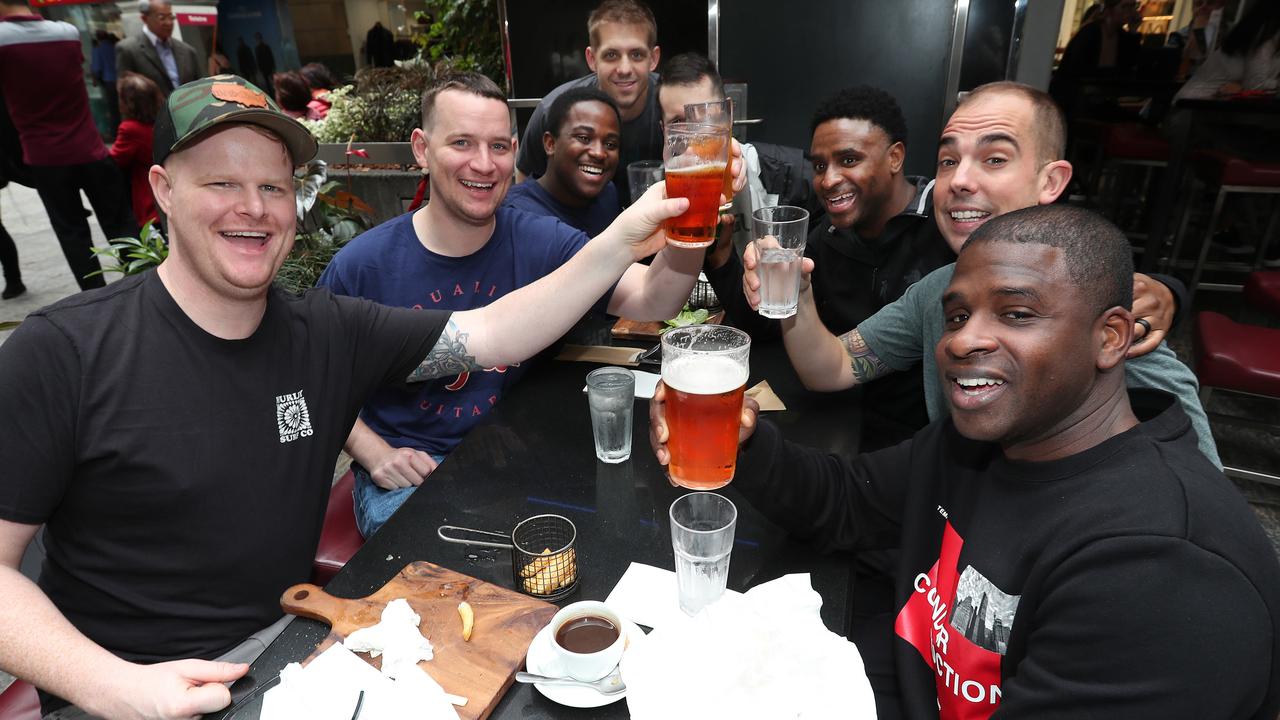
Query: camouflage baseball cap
[(204, 104)]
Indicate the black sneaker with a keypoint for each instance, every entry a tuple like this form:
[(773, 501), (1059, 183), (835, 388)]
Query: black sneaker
[(13, 290)]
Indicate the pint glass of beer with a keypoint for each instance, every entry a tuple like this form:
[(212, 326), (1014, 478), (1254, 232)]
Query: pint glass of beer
[(705, 370), (695, 157), (716, 112)]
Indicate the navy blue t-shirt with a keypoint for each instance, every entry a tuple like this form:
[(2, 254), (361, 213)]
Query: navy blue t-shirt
[(592, 219), (390, 266)]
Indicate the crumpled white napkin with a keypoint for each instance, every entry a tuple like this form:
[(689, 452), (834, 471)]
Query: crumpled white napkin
[(329, 686), (763, 654), (396, 637)]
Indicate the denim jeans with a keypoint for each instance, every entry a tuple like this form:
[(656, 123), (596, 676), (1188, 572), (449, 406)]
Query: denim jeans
[(374, 504)]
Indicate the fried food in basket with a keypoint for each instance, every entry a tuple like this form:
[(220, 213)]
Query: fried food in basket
[(549, 572)]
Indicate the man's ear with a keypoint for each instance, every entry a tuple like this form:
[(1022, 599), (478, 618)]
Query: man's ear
[(897, 156), (418, 142), (548, 143), (1054, 178), (1115, 334), (161, 187), (591, 58), (654, 57)]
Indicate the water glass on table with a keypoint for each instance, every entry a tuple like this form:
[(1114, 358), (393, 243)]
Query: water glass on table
[(611, 395), (702, 525), (719, 113), (695, 156), (705, 370), (779, 234), (641, 174)]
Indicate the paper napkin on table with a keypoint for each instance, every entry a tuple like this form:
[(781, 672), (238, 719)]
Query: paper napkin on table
[(647, 595), (601, 354), (768, 399), (762, 654), (646, 383), (329, 687)]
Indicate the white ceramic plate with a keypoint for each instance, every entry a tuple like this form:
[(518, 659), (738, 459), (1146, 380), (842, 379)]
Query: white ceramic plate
[(580, 697)]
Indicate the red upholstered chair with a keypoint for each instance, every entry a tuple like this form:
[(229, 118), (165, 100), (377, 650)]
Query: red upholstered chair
[(1262, 290), (20, 702), (340, 538), (1126, 146), (1238, 358), (1232, 175)]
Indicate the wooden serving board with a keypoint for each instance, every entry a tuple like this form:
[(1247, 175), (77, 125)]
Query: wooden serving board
[(480, 670), (633, 330)]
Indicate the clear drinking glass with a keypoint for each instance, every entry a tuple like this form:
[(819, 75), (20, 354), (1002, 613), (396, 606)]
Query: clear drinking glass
[(641, 174), (695, 157), (780, 234), (705, 370), (702, 525), (611, 393), (720, 113)]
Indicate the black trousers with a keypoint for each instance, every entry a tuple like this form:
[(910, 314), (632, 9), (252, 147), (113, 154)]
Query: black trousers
[(9, 257), (59, 187)]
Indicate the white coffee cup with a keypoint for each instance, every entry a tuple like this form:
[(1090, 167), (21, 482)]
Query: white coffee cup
[(586, 666)]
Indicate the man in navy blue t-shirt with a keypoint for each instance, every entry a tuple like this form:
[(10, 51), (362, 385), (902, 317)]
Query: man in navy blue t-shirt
[(582, 142), (462, 251)]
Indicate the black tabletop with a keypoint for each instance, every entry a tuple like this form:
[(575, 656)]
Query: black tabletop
[(534, 454)]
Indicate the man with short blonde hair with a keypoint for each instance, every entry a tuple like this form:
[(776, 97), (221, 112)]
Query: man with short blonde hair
[(623, 56)]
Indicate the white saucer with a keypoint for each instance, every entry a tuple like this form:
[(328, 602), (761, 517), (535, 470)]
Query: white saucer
[(579, 697)]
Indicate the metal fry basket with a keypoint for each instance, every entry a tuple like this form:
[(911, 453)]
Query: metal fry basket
[(544, 558)]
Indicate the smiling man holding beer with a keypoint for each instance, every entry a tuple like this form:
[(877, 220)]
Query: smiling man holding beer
[(1067, 551)]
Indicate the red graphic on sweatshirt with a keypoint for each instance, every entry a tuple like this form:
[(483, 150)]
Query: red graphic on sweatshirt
[(968, 676), (461, 381)]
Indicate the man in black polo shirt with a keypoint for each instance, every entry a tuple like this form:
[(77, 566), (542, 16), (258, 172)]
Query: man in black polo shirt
[(877, 239)]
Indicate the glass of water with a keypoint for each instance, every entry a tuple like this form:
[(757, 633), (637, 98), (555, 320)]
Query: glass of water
[(779, 234), (702, 525), (611, 393), (641, 174)]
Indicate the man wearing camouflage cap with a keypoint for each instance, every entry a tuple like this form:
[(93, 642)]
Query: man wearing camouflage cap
[(157, 427)]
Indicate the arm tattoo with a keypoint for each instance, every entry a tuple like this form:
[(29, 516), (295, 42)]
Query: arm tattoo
[(448, 357), (865, 364)]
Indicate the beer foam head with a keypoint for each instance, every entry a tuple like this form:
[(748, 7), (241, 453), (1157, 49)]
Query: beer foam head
[(704, 374)]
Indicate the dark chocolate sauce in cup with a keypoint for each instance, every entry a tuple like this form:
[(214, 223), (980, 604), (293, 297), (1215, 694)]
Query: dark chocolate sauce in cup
[(586, 634)]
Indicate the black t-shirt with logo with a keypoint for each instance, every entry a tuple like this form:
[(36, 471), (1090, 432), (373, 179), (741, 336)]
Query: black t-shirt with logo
[(183, 478), (1130, 580)]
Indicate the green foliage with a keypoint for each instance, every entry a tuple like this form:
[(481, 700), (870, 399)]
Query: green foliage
[(463, 34), (382, 106), (130, 256)]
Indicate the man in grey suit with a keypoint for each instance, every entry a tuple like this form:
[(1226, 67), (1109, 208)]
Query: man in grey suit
[(156, 53)]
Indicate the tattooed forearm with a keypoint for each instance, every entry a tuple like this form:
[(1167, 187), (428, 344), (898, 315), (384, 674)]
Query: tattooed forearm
[(865, 364), (448, 357)]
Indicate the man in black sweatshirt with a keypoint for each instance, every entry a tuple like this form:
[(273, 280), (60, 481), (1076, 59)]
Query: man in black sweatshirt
[(1067, 551)]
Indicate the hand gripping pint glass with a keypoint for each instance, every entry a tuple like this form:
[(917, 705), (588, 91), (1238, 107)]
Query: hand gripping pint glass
[(705, 370)]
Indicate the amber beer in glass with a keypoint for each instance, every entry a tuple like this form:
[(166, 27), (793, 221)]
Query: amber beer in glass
[(695, 157), (705, 370), (716, 112)]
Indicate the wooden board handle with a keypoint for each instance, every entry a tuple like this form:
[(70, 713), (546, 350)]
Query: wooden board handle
[(310, 601)]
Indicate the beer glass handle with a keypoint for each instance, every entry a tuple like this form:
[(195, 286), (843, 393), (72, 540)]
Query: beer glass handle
[(440, 531)]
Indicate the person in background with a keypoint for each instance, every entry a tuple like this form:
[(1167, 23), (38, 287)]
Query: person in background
[(11, 169), (321, 81), (140, 100), (379, 46), (219, 63), (1101, 47), (155, 52), (102, 66), (293, 95), (582, 144), (266, 61), (42, 80), (245, 61), (622, 56), (1248, 59)]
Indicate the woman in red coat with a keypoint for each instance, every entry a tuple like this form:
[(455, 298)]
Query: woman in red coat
[(140, 100)]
